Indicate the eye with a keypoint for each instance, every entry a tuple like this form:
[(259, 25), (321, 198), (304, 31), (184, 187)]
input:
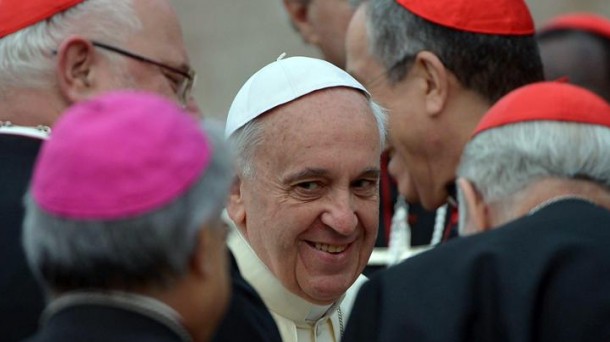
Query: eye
[(365, 187), (174, 80), (309, 186)]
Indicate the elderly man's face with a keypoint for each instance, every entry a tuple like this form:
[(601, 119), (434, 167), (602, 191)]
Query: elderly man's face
[(310, 212), (159, 39), (401, 108)]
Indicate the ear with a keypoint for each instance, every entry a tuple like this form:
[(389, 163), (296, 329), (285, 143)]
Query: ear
[(200, 259), (75, 60), (436, 79), (235, 205), (477, 210), (299, 15)]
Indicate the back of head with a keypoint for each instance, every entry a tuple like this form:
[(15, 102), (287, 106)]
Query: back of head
[(117, 199), (32, 31), (568, 40), (488, 45), (546, 130)]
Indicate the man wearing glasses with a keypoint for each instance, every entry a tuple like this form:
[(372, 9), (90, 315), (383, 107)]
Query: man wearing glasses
[(55, 53)]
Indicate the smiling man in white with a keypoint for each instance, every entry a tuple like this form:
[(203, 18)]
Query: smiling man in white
[(308, 140)]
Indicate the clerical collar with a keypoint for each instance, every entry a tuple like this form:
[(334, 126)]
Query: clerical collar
[(273, 293), (143, 305), (556, 199), (39, 132)]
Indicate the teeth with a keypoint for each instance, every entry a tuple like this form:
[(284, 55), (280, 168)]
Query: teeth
[(330, 248)]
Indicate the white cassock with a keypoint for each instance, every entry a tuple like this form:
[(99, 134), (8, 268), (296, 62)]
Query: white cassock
[(297, 319)]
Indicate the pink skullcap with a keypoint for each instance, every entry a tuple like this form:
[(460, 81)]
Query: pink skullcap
[(587, 22), (496, 17), (118, 156), (19, 14), (547, 101)]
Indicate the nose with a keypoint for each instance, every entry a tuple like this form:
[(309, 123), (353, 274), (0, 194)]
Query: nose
[(341, 214)]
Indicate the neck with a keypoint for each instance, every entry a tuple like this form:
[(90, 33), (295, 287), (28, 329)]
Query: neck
[(31, 107), (458, 121), (544, 191), (184, 297)]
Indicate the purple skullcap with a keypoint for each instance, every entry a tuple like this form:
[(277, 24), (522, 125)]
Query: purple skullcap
[(120, 155)]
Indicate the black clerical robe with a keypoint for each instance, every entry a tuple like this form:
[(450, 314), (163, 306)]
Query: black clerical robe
[(543, 277)]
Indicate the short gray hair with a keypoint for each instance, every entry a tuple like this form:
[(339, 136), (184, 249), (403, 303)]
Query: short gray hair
[(491, 65), (25, 56), (245, 140), (153, 249), (505, 160)]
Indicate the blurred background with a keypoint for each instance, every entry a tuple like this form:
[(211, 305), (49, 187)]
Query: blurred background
[(229, 40)]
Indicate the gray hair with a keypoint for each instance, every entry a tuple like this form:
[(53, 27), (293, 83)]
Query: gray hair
[(245, 140), (356, 3), (505, 160), (491, 65), (25, 56), (153, 249)]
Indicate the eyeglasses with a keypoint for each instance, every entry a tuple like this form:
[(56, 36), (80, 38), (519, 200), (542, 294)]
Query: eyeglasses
[(184, 86)]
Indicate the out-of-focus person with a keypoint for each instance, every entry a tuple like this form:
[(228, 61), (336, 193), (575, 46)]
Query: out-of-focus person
[(307, 139), (323, 23), (123, 224), (55, 53), (534, 182), (577, 46)]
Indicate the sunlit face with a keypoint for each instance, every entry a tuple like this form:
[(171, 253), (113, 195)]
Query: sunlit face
[(329, 20), (311, 208)]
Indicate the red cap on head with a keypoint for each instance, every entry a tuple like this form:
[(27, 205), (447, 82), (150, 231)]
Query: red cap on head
[(580, 21), (495, 17), (18, 14), (547, 101)]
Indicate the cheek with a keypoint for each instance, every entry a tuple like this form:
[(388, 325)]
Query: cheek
[(369, 217)]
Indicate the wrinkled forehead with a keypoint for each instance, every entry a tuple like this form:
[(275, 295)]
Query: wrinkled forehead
[(323, 111)]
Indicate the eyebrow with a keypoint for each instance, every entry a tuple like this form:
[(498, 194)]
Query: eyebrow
[(372, 172), (316, 173), (307, 173)]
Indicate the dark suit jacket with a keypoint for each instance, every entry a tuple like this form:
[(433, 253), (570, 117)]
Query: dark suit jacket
[(21, 300), (544, 277), (96, 323), (247, 318)]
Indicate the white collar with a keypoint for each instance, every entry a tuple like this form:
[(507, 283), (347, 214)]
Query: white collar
[(279, 299), (39, 132)]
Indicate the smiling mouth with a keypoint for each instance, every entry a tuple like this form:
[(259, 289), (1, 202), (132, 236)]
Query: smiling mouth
[(332, 249)]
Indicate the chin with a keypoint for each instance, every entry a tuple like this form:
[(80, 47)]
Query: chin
[(330, 290)]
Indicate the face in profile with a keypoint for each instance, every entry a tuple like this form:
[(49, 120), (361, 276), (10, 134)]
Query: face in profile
[(413, 136), (310, 211)]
